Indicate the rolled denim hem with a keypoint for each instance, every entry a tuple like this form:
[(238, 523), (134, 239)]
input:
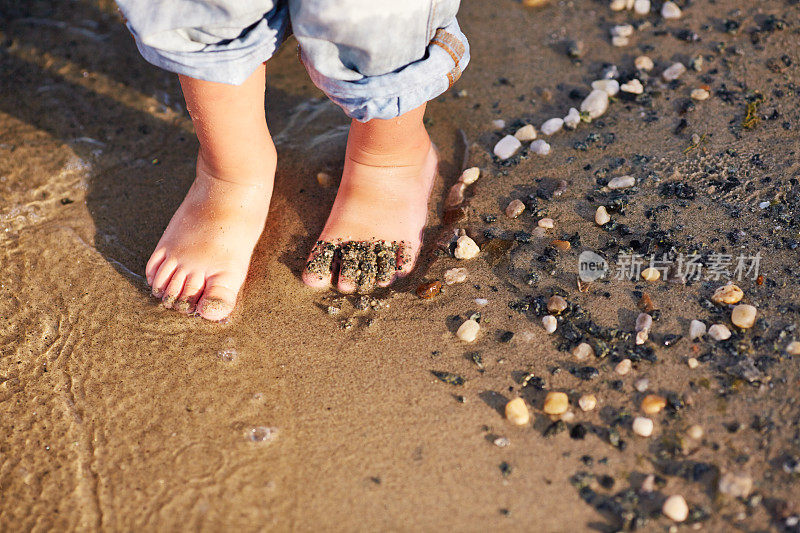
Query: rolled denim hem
[(393, 94), (231, 66)]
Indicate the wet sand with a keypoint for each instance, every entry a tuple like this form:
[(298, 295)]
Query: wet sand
[(117, 414)]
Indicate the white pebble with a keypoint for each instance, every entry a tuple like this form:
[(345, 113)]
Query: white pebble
[(618, 5), (643, 63), (699, 94), (670, 10), (744, 316), (641, 384), (546, 223), (572, 119), (633, 87), (675, 508), (483, 302), (601, 216), (622, 30), (735, 485), (793, 348), (719, 332), (622, 182), (583, 351), (540, 147), (455, 275), (649, 484), (501, 442), (466, 248), (609, 86), (526, 133), (515, 208), (506, 147), (470, 176), (468, 331), (642, 336), (696, 329), (644, 322), (498, 123), (587, 402), (641, 7), (695, 432), (595, 104), (550, 323), (552, 126), (642, 426), (764, 205), (619, 41), (673, 72), (623, 367), (517, 412), (692, 362)]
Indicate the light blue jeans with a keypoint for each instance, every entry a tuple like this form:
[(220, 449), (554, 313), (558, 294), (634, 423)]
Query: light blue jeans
[(374, 58)]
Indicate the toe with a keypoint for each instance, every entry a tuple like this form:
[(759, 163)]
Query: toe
[(218, 299), (347, 281), (318, 270), (192, 290), (174, 288), (153, 263), (163, 276), (368, 270), (406, 258), (386, 263)]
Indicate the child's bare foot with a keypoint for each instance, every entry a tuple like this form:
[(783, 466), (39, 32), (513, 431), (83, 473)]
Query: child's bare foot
[(374, 231), (202, 259)]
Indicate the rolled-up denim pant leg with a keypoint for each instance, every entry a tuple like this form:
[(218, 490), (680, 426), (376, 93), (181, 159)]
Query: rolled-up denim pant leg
[(380, 58), (220, 40)]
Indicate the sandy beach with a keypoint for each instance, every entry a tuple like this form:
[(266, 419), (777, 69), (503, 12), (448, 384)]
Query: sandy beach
[(312, 411)]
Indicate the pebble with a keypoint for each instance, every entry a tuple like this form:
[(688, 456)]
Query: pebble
[(556, 304), (699, 94), (261, 434), (719, 332), (601, 216), (455, 275), (670, 10), (651, 274), (568, 417), (456, 195), (429, 290), (622, 30), (632, 87), (517, 412), (618, 5), (498, 123), (727, 294), (622, 182), (552, 126), (692, 362), (610, 72), (744, 316), (550, 323), (675, 508), (620, 41), (642, 426), (696, 329), (561, 244), (324, 179), (466, 248), (501, 442), (673, 72), (649, 484), (641, 7), (468, 331), (595, 104), (653, 404), (572, 119), (506, 147), (540, 147), (609, 86), (583, 351), (644, 322), (525, 133), (587, 402), (470, 176), (623, 367), (515, 208), (483, 302), (793, 348), (556, 403), (695, 432), (642, 336), (643, 63), (546, 223), (735, 485), (641, 384)]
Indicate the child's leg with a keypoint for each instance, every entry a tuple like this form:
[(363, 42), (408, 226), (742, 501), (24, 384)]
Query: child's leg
[(202, 259), (381, 206), (381, 61)]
